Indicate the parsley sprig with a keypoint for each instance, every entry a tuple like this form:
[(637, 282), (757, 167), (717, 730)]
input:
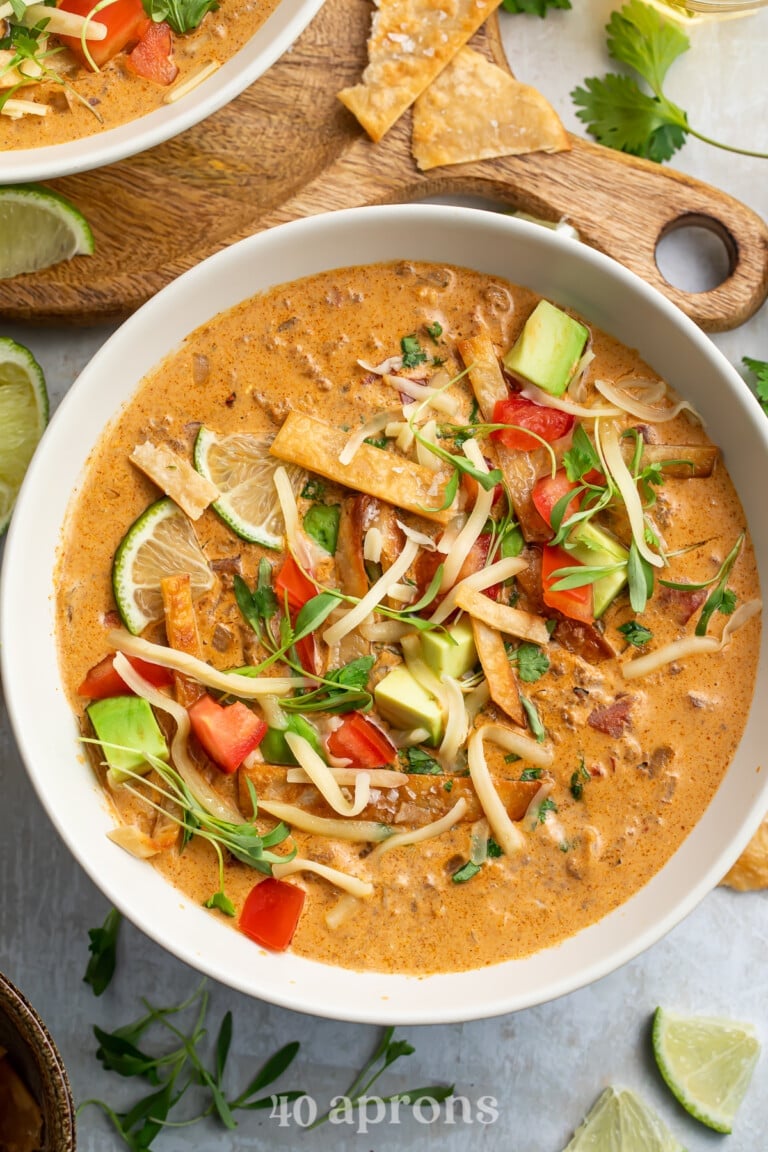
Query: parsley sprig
[(622, 114)]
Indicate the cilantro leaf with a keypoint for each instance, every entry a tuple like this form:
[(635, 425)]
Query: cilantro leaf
[(420, 763), (760, 370), (620, 115), (435, 331), (728, 603), (639, 37), (533, 7), (413, 353), (547, 805), (103, 949), (635, 633), (182, 15), (578, 779), (494, 850), (466, 872), (531, 773), (532, 662), (618, 111)]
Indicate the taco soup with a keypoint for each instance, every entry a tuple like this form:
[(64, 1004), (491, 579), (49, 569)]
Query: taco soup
[(77, 69), (410, 621)]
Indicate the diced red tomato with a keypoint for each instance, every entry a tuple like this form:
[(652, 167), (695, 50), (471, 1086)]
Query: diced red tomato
[(271, 913), (574, 602), (228, 734), (548, 423), (102, 680), (548, 490), (360, 741), (152, 58), (291, 580), (126, 20)]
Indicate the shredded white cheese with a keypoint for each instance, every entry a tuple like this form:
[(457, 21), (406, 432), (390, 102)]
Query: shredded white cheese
[(373, 542), (423, 454), (432, 397), (375, 594), (351, 884), (485, 578), (538, 396), (474, 525), (643, 411), (690, 645), (508, 836), (245, 687), (322, 777), (614, 460), (192, 82), (427, 832), (379, 777), (371, 428), (359, 831), (61, 23)]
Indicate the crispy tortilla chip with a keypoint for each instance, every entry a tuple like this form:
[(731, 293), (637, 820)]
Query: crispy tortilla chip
[(511, 621), (411, 42), (393, 479), (176, 477), (499, 673), (750, 872), (475, 110)]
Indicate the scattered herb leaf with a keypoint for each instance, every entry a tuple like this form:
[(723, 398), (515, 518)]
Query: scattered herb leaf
[(420, 763), (759, 369), (103, 949), (635, 633), (531, 773), (321, 523), (532, 662), (413, 353), (534, 720), (579, 778)]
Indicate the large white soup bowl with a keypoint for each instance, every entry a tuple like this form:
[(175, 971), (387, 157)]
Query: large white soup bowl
[(564, 271)]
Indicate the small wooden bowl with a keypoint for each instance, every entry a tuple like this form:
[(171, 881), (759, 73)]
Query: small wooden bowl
[(34, 1054)]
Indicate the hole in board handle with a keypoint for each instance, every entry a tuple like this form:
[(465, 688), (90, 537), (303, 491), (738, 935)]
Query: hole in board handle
[(696, 253)]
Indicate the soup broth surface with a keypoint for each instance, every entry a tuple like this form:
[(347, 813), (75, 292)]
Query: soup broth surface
[(649, 775)]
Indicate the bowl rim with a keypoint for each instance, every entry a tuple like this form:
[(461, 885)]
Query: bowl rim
[(47, 1058), (377, 998), (269, 42)]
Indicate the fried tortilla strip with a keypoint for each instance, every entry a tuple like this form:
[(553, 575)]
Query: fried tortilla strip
[(475, 110), (176, 477), (750, 872), (411, 42), (499, 673), (317, 447), (181, 631), (519, 469), (512, 621), (421, 800), (686, 461)]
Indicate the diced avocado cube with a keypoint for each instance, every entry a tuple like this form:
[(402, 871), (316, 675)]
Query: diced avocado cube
[(129, 722), (274, 747), (592, 545), (450, 653), (548, 349), (403, 702)]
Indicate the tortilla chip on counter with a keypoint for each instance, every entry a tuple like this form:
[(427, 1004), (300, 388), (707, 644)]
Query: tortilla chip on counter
[(750, 872), (475, 110), (411, 42)]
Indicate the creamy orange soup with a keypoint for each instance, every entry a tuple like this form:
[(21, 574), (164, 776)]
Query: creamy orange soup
[(115, 94), (631, 763)]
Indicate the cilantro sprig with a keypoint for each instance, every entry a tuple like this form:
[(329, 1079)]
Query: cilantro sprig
[(533, 7), (622, 114), (103, 950), (759, 369)]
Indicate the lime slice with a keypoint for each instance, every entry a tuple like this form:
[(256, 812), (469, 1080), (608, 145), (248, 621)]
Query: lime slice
[(39, 228), (621, 1122), (242, 469), (707, 1063), (160, 543), (23, 416)]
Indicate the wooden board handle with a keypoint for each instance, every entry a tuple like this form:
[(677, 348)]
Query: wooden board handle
[(287, 148)]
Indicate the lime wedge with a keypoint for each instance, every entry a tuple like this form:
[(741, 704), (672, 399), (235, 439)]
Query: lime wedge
[(242, 469), (621, 1122), (39, 228), (707, 1063), (162, 542), (23, 416)]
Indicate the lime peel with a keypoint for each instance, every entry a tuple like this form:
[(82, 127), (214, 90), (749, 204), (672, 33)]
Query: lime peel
[(39, 228), (242, 469), (23, 416), (161, 542), (621, 1122), (707, 1063)]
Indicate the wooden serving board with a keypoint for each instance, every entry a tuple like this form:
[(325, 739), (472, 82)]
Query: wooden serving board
[(287, 148)]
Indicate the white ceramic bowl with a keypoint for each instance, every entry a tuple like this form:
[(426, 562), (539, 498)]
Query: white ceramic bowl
[(273, 38), (562, 270)]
